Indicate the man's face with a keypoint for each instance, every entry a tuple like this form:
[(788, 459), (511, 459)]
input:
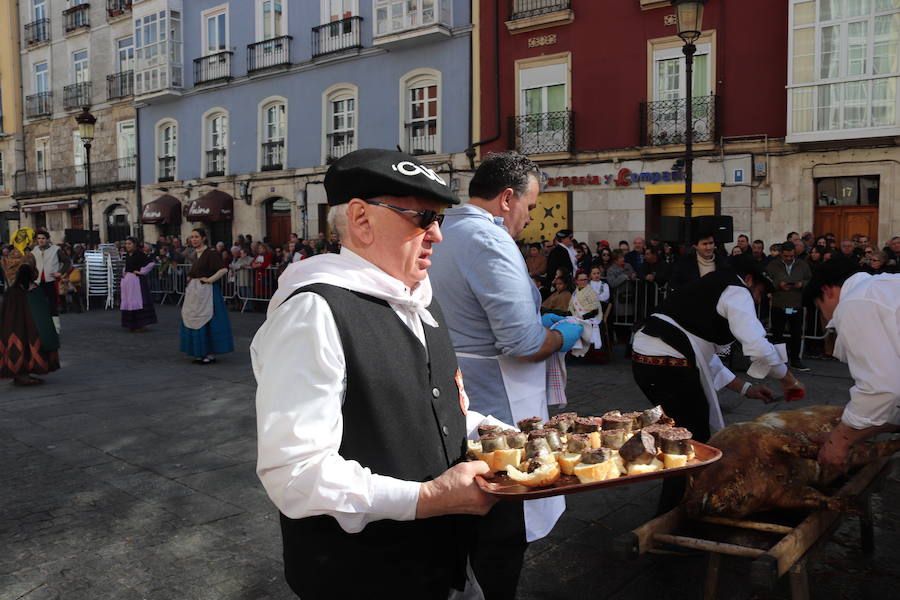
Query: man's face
[(895, 245), (566, 241), (794, 237), (650, 257), (42, 240), (705, 248), (787, 256), (847, 247), (638, 244), (757, 249), (623, 246), (863, 241), (520, 207), (548, 246), (799, 248), (399, 246), (581, 280), (743, 242)]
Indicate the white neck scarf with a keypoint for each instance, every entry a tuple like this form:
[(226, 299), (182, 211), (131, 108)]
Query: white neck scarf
[(350, 271)]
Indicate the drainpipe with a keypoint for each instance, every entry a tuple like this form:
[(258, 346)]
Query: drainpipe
[(137, 173), (470, 151)]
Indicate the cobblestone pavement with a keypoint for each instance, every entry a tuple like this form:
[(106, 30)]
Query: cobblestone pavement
[(130, 475)]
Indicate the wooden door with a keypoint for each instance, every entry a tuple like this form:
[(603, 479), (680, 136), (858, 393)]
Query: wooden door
[(278, 222), (846, 221)]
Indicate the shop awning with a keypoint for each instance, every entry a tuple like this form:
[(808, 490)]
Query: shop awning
[(69, 204), (165, 210), (212, 207)]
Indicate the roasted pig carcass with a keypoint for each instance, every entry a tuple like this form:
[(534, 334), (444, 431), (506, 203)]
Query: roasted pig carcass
[(770, 463)]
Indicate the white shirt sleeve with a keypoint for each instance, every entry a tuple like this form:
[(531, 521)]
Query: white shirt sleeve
[(864, 334), (721, 375), (298, 362), (736, 305)]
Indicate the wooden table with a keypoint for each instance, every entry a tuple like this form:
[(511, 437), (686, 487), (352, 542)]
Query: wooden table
[(798, 545)]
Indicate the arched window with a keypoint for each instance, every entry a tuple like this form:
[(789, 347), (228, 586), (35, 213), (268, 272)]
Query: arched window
[(166, 150), (215, 141), (420, 103), (340, 121), (273, 130)]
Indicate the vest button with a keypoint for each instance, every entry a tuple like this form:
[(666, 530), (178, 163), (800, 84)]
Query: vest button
[(436, 392), (445, 430)]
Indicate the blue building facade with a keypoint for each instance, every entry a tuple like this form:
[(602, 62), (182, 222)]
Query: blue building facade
[(253, 98)]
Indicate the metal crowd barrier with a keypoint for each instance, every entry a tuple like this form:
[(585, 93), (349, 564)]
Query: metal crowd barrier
[(243, 287)]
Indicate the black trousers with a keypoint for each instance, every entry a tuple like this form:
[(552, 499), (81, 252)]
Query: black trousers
[(49, 289), (679, 391), (795, 322), (498, 550)]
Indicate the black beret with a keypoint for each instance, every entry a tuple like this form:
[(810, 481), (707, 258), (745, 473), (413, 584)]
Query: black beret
[(563, 233), (372, 172)]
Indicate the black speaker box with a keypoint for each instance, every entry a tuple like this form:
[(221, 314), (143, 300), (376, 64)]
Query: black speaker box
[(671, 229), (722, 227)]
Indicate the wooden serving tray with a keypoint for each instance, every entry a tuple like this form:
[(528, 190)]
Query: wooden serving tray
[(501, 486)]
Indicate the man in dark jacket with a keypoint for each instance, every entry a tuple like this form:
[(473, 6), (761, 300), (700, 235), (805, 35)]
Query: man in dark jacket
[(789, 275), (701, 260), (562, 256)]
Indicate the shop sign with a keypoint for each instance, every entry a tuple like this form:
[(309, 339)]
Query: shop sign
[(623, 178)]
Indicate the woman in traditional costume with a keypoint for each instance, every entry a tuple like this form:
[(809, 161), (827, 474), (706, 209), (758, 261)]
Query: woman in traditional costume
[(137, 304), (205, 328), (28, 340)]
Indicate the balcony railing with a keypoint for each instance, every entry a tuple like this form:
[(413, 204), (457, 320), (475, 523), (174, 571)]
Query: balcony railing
[(339, 144), (120, 171), (215, 162), (39, 105), (269, 53), (664, 122), (522, 9), (215, 67), (272, 156), (543, 133), (77, 95), (336, 36), (37, 31), (166, 168), (421, 137), (115, 8), (76, 16), (119, 85)]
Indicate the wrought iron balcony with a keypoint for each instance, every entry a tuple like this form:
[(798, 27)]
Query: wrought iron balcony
[(421, 137), (107, 173), (336, 36), (215, 162), (115, 8), (215, 67), (77, 95), (272, 156), (665, 122), (339, 144), (37, 31), (522, 9), (39, 105), (269, 53), (543, 133), (166, 168), (77, 16), (120, 85)]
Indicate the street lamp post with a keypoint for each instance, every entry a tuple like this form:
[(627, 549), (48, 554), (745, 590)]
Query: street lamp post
[(86, 123), (689, 14)]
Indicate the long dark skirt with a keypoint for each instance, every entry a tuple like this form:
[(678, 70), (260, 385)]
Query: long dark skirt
[(28, 339), (135, 319), (214, 337)]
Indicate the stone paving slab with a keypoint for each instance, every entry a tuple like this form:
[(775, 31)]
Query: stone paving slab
[(130, 475)]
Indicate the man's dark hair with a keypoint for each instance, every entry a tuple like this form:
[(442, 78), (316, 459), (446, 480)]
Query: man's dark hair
[(537, 245), (624, 242), (701, 233), (743, 265), (788, 247), (744, 236), (831, 272), (790, 234), (759, 242), (501, 170), (651, 250)]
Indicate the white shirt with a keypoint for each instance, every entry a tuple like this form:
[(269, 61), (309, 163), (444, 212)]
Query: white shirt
[(298, 362), (867, 320), (602, 290), (736, 305)]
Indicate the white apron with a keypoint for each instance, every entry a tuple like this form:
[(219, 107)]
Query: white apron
[(525, 384), (197, 309)]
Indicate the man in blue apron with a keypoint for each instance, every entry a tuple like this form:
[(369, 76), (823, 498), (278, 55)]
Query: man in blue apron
[(492, 310)]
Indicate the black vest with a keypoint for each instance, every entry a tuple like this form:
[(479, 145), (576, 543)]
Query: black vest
[(694, 306), (402, 418)]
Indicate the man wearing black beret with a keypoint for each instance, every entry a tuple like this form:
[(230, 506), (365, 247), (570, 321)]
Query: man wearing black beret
[(361, 413), (563, 255)]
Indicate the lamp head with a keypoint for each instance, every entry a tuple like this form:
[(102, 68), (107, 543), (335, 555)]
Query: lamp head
[(86, 123), (689, 14)]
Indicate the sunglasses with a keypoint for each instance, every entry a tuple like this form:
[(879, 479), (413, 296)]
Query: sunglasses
[(426, 217)]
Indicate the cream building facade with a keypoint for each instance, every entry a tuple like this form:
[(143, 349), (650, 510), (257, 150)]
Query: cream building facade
[(10, 116)]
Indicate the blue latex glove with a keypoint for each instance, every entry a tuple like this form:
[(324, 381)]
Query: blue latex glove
[(549, 319), (571, 333)]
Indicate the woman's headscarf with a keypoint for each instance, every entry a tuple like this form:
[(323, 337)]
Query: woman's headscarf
[(23, 239)]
